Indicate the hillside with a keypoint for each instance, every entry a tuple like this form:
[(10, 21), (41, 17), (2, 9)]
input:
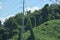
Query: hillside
[(47, 31), (36, 26)]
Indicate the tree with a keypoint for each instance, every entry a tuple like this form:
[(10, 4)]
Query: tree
[(45, 12), (55, 1), (33, 21), (19, 19), (10, 25), (0, 23)]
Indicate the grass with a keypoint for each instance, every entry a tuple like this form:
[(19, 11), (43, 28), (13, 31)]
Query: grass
[(48, 31)]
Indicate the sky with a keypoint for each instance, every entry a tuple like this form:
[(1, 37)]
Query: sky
[(10, 8)]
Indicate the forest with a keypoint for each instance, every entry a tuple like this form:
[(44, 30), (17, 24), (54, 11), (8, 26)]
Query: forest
[(42, 24)]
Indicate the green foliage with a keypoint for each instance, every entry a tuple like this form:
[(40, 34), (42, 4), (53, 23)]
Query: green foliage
[(47, 31), (3, 33), (0, 22)]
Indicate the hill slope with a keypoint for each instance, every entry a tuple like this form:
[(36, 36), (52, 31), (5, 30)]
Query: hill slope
[(48, 31)]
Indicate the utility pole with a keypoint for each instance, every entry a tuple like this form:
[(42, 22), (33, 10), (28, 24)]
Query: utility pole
[(56, 1), (21, 31), (22, 37)]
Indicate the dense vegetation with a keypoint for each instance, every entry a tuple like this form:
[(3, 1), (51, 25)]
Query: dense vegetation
[(32, 31), (48, 31)]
